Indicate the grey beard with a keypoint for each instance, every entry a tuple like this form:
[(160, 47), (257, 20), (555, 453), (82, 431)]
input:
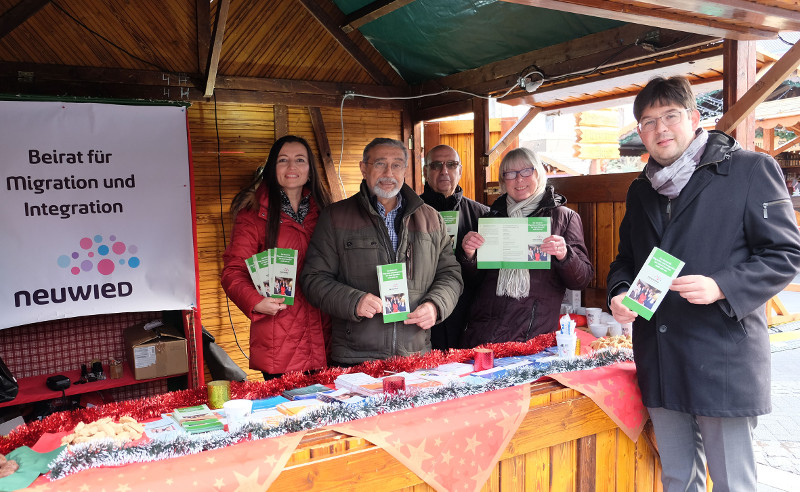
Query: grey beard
[(378, 191)]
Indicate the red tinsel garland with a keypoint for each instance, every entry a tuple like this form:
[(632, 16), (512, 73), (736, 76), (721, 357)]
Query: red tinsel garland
[(152, 407)]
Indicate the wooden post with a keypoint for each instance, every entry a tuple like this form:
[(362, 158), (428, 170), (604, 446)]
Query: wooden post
[(738, 75), (769, 140), (480, 109), (420, 157), (281, 120), (414, 170), (321, 135)]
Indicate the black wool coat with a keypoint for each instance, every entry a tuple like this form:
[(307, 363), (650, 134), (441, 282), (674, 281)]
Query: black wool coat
[(447, 334), (733, 222)]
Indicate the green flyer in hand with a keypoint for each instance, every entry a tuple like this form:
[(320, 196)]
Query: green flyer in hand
[(514, 242), (394, 291), (652, 283), (451, 223)]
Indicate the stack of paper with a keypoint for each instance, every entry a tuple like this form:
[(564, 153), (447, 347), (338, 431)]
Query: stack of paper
[(360, 383), (294, 407), (306, 392), (197, 419), (343, 396)]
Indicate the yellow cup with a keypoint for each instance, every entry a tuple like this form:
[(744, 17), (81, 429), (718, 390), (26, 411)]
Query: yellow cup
[(218, 393)]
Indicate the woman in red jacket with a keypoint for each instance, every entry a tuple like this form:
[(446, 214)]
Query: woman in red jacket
[(279, 209)]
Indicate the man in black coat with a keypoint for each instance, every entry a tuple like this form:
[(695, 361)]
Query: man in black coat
[(442, 171), (703, 359)]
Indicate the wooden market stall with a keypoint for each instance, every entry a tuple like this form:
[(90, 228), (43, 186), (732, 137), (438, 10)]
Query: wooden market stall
[(341, 73)]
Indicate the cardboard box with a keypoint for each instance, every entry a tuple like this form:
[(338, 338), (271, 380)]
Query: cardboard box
[(156, 352)]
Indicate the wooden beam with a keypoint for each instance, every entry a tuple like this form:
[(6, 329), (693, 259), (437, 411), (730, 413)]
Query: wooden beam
[(738, 75), (694, 60), (61, 79), (307, 86), (646, 15), (512, 133), (219, 33), (768, 140), (18, 14), (451, 109), (345, 42), (418, 154), (742, 11), (203, 26), (760, 90), (371, 12), (335, 185), (791, 143), (281, 112), (480, 110), (551, 59), (413, 176)]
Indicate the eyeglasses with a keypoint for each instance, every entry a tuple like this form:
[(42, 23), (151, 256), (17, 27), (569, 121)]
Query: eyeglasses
[(512, 175), (671, 118), (396, 167), (437, 165)]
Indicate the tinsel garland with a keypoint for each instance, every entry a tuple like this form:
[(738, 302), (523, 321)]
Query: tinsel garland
[(107, 453), (152, 407)]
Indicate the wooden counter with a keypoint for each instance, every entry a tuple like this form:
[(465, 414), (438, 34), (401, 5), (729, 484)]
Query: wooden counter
[(565, 443)]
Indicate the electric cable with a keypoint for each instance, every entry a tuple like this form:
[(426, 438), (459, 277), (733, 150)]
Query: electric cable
[(222, 221)]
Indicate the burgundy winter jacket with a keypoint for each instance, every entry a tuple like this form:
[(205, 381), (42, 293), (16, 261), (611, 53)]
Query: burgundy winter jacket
[(295, 339), (496, 319)]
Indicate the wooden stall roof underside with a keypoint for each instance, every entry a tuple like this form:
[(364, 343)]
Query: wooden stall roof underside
[(312, 52)]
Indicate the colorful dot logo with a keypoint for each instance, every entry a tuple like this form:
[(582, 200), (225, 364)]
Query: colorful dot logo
[(100, 255)]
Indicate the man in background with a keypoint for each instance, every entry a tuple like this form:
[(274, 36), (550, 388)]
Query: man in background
[(442, 171)]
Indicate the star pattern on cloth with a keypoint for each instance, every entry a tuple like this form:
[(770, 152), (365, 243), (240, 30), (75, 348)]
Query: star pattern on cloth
[(458, 456), (614, 389), (247, 466)]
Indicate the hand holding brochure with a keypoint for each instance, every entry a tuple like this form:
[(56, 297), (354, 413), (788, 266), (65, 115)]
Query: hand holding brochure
[(394, 291), (274, 273), (652, 283), (513, 242)]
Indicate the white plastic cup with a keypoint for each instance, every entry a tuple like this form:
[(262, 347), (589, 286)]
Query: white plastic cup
[(566, 345), (593, 315), (614, 329), (627, 329), (237, 411), (598, 329)]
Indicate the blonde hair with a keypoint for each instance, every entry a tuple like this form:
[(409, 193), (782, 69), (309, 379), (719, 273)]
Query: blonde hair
[(530, 159)]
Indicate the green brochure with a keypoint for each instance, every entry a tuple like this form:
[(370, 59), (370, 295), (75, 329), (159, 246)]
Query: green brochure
[(513, 243), (652, 283), (451, 223), (394, 291)]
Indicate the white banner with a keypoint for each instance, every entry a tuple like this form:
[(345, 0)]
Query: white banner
[(95, 210)]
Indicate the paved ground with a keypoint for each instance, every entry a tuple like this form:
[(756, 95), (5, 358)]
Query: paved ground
[(778, 434)]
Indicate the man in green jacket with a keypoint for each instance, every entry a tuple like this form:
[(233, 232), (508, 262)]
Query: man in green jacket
[(385, 222)]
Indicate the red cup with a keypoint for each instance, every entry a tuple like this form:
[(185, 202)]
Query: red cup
[(484, 359), (393, 384)]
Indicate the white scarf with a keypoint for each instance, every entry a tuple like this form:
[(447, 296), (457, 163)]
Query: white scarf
[(670, 180), (516, 282)]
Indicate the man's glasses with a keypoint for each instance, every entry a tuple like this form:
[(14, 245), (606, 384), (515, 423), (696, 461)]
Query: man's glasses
[(512, 175), (437, 165), (671, 118), (396, 167)]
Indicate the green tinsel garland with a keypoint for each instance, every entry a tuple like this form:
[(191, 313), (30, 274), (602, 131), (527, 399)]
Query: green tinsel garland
[(108, 453)]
